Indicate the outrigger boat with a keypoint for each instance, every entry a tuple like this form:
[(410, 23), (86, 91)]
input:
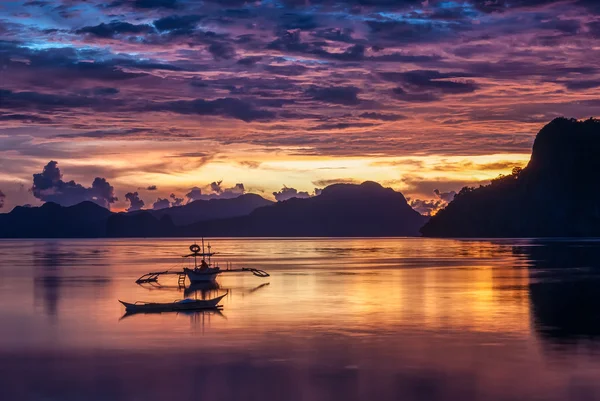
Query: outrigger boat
[(177, 306), (206, 272)]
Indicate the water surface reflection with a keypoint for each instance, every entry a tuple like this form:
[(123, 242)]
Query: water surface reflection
[(343, 319)]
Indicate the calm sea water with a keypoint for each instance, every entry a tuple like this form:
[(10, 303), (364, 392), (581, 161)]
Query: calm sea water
[(339, 319)]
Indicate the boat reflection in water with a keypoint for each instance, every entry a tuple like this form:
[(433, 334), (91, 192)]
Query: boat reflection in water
[(202, 290), (195, 316)]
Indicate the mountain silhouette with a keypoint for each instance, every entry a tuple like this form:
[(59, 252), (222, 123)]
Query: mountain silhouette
[(84, 220), (341, 210), (201, 210), (556, 195)]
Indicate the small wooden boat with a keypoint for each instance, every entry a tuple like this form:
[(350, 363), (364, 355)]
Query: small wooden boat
[(182, 305), (203, 272)]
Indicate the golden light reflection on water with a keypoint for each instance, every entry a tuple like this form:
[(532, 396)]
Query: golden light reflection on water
[(348, 286), (350, 319)]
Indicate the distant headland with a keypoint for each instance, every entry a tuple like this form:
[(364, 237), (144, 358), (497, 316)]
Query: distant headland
[(556, 195)]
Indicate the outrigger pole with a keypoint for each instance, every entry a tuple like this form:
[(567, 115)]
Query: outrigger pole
[(195, 249), (153, 276)]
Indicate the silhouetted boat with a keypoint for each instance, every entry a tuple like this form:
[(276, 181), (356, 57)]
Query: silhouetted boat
[(182, 305), (206, 272)]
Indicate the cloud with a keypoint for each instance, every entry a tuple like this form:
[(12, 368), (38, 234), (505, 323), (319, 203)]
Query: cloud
[(344, 95), (161, 204), (114, 28), (178, 24), (2, 199), (382, 117), (229, 107), (176, 201), (430, 207), (194, 194), (328, 182), (250, 60), (215, 190), (425, 207), (288, 193), (151, 188), (146, 4), (428, 85), (582, 84), (445, 196), (135, 203), (26, 118), (221, 51), (48, 186)]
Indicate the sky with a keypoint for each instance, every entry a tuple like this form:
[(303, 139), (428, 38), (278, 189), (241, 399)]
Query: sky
[(134, 103)]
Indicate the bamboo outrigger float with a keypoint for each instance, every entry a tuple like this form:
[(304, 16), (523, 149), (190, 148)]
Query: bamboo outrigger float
[(203, 273)]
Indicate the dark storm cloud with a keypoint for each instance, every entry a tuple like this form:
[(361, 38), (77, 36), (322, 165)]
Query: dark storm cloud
[(178, 24), (25, 118), (582, 84), (49, 186), (344, 95), (427, 79), (248, 61), (44, 101), (114, 28), (400, 31), (302, 21), (228, 107), (427, 85), (135, 203), (104, 91), (222, 51)]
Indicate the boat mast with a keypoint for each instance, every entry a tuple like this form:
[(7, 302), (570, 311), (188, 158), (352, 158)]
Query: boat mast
[(209, 253)]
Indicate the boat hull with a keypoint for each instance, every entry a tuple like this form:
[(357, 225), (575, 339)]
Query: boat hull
[(196, 276), (173, 306)]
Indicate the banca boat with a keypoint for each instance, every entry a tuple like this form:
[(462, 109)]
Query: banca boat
[(181, 305)]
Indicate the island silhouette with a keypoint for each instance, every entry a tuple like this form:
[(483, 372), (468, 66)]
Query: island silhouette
[(341, 210), (555, 195)]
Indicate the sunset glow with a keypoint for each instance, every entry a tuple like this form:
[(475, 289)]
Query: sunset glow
[(417, 95)]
